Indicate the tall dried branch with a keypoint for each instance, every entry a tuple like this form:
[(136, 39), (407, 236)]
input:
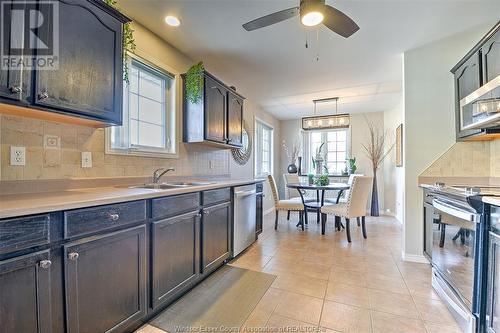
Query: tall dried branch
[(377, 147)]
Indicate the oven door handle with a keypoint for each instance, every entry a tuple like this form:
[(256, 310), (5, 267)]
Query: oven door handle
[(454, 211)]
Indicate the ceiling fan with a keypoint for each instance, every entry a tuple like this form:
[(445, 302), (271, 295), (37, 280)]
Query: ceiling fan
[(312, 13)]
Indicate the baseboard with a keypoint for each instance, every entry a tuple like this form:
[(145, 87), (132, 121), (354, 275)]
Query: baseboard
[(420, 258), (270, 210)]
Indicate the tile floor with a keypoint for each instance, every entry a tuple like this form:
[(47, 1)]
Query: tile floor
[(324, 282)]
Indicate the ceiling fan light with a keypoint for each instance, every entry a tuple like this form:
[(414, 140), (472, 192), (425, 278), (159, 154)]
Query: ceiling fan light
[(312, 18)]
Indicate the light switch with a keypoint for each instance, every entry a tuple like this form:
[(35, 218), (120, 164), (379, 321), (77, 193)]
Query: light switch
[(86, 159)]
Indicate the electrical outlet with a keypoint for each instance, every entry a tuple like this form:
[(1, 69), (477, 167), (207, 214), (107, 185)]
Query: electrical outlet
[(210, 165), (17, 155), (86, 159)]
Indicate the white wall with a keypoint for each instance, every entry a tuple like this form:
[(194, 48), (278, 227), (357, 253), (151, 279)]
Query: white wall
[(394, 176), (429, 120), (290, 130)]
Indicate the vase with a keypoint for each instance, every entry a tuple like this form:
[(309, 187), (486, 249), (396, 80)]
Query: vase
[(300, 165), (374, 211), (292, 168)]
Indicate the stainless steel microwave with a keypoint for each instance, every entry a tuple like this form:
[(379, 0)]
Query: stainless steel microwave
[(481, 108)]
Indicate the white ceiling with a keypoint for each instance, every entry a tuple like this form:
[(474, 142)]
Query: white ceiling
[(272, 66)]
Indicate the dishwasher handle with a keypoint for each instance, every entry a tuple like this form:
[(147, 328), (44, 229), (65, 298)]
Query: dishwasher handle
[(243, 194), (455, 211)]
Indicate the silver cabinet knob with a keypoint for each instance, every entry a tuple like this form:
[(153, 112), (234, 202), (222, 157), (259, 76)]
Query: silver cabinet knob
[(45, 264), (43, 95), (114, 216), (263, 195), (198, 215), (15, 90), (206, 211), (73, 256)]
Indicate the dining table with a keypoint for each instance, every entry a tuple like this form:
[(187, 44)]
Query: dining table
[(311, 204)]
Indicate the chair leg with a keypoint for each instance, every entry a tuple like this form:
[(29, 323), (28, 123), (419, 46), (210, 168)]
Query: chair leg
[(288, 216), (357, 218), (276, 220), (323, 223), (337, 222), (302, 219), (318, 216), (306, 219), (348, 230), (363, 226)]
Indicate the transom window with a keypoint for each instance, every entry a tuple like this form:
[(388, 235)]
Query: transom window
[(148, 113)]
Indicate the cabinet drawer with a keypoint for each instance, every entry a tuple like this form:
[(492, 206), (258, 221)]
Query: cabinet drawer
[(25, 232), (84, 221), (216, 196), (175, 205)]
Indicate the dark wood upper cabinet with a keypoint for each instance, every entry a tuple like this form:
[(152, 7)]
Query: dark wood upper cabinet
[(175, 256), (491, 58), (234, 119), (215, 111), (105, 281), (478, 67), (25, 293), (14, 83), (89, 80), (217, 118)]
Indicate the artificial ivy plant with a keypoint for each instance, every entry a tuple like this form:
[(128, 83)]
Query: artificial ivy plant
[(194, 83), (128, 42)]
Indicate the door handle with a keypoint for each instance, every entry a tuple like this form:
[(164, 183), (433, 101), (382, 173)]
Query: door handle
[(15, 90), (73, 256), (45, 264), (43, 95)]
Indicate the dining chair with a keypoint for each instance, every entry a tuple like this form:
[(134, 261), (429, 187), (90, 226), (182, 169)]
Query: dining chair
[(294, 204), (355, 206)]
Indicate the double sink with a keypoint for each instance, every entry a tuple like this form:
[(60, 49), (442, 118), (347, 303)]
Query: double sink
[(169, 185)]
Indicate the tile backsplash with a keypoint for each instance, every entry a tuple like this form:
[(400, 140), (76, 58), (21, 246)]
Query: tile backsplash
[(61, 158), (468, 159)]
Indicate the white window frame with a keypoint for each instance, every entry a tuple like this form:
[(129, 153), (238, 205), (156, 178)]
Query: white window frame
[(258, 123), (308, 154), (171, 118)]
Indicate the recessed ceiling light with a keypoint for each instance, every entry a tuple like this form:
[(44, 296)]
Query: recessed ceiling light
[(172, 21)]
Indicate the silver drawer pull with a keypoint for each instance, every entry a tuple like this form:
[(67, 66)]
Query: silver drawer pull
[(206, 211), (114, 216), (45, 264), (43, 95), (73, 256)]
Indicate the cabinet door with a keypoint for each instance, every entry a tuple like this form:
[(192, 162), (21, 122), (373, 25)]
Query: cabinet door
[(175, 256), (235, 119), (106, 281), (259, 216), (491, 58), (215, 111), (11, 83), (215, 233), (89, 79), (25, 304), (467, 80)]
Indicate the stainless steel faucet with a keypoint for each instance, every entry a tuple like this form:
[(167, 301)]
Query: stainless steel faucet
[(158, 173)]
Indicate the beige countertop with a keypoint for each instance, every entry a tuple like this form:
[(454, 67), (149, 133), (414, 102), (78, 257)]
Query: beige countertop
[(492, 200), (35, 203)]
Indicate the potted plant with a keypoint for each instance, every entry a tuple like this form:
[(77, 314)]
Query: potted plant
[(351, 165), (292, 155), (318, 160), (194, 83), (376, 149)]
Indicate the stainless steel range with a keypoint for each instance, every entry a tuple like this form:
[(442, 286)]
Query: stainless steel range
[(454, 240)]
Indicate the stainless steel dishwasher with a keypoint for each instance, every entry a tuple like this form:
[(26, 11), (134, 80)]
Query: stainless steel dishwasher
[(244, 218)]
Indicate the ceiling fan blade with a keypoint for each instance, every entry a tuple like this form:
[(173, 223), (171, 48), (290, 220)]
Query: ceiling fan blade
[(339, 22), (273, 18)]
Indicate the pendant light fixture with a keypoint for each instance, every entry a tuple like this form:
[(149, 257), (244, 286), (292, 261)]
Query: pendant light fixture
[(326, 122)]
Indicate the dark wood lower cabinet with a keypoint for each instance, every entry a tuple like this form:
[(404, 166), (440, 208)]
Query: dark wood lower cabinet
[(216, 236), (25, 293), (105, 281), (176, 256)]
